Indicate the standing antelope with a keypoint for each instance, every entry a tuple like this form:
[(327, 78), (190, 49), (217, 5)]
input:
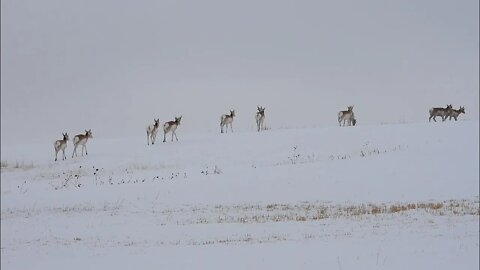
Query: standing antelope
[(225, 120), (455, 113), (442, 112), (81, 139), (260, 117), (152, 131), (171, 126), (347, 116), (61, 145)]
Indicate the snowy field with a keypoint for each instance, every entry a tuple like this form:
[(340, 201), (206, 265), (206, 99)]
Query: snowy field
[(402, 196)]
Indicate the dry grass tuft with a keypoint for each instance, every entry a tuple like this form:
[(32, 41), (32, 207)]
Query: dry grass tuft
[(22, 165), (3, 164)]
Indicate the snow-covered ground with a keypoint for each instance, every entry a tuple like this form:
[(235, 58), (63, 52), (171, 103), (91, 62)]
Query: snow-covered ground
[(400, 196)]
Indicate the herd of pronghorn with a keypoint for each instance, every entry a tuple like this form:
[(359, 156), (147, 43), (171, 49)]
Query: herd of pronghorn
[(347, 117)]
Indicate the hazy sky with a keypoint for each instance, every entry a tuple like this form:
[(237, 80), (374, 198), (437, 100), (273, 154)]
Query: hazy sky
[(112, 66)]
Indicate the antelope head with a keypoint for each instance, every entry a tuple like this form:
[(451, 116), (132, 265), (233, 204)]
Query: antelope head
[(350, 108), (65, 136), (449, 106), (89, 133), (261, 110), (232, 113), (178, 119), (461, 110), (157, 122)]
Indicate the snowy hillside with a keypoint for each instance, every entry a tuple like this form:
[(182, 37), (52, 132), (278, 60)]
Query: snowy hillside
[(367, 197)]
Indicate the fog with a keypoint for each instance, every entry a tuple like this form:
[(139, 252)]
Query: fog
[(113, 66)]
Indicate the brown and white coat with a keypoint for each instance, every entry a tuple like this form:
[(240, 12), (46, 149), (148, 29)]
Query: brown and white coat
[(226, 120), (347, 116), (442, 112), (81, 139), (152, 131), (60, 145), (455, 113), (171, 126)]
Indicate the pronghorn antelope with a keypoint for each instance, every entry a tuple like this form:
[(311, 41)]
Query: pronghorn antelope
[(260, 117), (152, 131), (81, 139), (442, 112), (61, 145), (455, 113), (226, 120), (171, 126), (347, 116)]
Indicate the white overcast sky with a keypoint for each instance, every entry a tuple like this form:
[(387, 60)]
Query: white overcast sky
[(112, 66)]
